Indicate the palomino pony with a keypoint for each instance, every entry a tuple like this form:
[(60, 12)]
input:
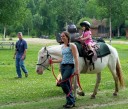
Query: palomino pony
[(111, 60)]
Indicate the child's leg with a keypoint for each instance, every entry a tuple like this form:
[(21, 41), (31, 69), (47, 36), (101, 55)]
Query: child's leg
[(90, 47)]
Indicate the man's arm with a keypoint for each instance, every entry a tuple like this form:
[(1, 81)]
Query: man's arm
[(24, 54), (25, 50), (15, 51), (14, 54)]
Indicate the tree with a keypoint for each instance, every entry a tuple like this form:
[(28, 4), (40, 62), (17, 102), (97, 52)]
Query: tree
[(32, 6), (28, 22), (11, 12), (125, 8), (48, 16), (68, 11), (114, 11), (38, 23), (93, 10)]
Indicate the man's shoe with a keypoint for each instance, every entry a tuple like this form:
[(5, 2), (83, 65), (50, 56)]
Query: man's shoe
[(68, 106), (26, 75), (18, 77)]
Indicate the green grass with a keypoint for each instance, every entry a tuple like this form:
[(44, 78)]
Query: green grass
[(40, 92)]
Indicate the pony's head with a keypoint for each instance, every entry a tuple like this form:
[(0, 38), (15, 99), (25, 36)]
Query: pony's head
[(43, 60)]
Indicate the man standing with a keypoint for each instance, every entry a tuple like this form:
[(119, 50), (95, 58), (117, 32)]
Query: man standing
[(20, 54)]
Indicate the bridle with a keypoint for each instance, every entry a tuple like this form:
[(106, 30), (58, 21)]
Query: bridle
[(42, 64)]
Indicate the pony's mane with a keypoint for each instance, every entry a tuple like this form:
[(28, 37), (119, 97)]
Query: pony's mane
[(48, 47), (54, 50)]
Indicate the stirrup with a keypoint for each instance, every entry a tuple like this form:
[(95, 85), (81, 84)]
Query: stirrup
[(91, 53)]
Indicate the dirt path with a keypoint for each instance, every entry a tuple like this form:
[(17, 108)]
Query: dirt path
[(40, 41), (53, 41), (84, 106), (117, 42), (104, 105), (60, 98)]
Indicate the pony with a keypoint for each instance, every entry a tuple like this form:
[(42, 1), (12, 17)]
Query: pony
[(111, 60)]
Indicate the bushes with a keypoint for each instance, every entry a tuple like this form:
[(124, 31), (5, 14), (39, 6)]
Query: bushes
[(33, 33), (12, 35)]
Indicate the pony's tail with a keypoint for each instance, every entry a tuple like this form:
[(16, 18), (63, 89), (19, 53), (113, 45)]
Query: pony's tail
[(119, 74)]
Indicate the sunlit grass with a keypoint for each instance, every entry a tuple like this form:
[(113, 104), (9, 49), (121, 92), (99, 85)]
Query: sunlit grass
[(40, 91)]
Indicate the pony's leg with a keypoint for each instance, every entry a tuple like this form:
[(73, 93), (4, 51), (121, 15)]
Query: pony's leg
[(98, 79), (115, 77), (59, 77), (75, 86), (80, 92)]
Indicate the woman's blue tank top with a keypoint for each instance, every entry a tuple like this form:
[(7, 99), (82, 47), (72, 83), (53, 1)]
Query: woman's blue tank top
[(67, 55)]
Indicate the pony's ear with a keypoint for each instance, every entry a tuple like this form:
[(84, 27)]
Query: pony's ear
[(45, 48)]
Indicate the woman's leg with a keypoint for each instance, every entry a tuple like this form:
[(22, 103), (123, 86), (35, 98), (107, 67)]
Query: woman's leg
[(66, 87)]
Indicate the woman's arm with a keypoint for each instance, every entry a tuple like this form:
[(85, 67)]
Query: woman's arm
[(57, 61), (76, 56)]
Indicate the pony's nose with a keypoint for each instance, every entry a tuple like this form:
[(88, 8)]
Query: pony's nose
[(39, 72)]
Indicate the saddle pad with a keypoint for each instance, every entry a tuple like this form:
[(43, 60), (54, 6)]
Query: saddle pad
[(79, 47), (102, 50)]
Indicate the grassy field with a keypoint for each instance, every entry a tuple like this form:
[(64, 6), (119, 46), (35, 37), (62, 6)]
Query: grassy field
[(40, 91)]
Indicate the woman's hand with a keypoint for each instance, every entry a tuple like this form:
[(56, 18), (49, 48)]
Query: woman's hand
[(23, 57), (50, 61), (77, 72)]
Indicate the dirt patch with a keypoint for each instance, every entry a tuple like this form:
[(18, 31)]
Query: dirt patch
[(105, 105), (77, 107), (40, 41)]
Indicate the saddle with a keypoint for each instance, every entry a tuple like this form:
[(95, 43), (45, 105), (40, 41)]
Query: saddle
[(100, 49)]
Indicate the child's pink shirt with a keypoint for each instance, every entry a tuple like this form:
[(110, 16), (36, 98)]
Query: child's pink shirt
[(89, 40)]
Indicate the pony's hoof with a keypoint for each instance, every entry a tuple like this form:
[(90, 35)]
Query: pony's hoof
[(93, 96), (81, 93), (114, 94)]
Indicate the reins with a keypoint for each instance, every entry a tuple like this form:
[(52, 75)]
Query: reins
[(70, 79)]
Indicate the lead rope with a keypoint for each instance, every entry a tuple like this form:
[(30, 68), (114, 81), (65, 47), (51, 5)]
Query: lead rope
[(70, 78)]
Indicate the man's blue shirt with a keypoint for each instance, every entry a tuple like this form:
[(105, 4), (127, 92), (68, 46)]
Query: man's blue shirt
[(21, 45)]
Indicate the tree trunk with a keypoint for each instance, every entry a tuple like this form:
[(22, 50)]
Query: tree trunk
[(118, 32), (28, 31), (110, 29), (66, 26), (4, 33), (126, 33)]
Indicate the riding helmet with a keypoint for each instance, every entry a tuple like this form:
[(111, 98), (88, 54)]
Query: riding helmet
[(85, 23)]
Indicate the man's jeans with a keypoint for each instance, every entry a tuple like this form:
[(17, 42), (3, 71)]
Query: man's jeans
[(20, 64)]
